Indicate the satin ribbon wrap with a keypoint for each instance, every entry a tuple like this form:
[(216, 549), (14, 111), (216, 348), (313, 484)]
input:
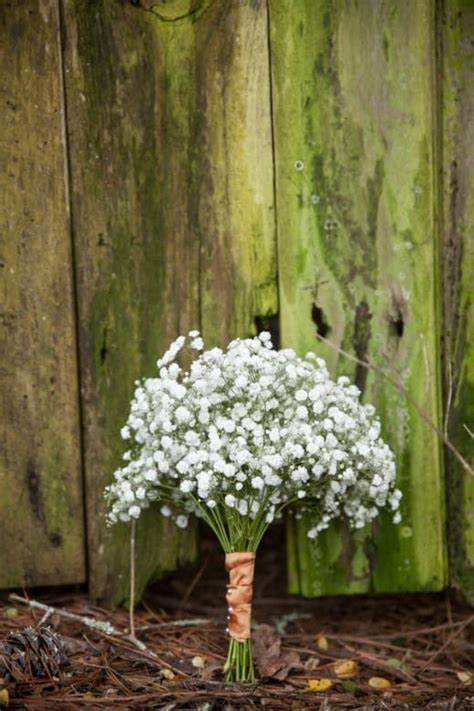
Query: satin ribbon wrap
[(240, 567)]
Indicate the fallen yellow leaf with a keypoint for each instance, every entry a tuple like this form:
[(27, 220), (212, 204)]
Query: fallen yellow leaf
[(166, 674), (319, 684), (379, 682), (346, 668), (198, 662), (4, 698), (465, 677), (322, 643)]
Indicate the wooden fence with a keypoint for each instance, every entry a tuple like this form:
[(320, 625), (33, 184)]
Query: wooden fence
[(303, 165)]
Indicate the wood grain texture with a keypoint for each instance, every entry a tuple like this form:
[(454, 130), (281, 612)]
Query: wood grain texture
[(172, 193), (136, 261), (234, 170), (355, 171), (41, 507), (456, 30)]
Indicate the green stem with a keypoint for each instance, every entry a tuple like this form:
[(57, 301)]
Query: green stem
[(239, 664)]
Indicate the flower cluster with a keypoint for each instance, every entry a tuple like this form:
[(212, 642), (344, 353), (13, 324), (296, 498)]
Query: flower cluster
[(246, 432)]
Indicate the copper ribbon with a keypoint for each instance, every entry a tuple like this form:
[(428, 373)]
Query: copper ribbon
[(240, 567)]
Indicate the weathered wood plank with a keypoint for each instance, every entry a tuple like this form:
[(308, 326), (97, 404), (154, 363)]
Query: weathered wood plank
[(130, 134), (353, 125), (175, 176), (234, 171), (456, 28), (41, 507)]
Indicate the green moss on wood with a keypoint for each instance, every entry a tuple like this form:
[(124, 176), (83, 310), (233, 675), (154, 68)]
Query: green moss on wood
[(173, 215), (137, 262), (355, 172), (456, 29)]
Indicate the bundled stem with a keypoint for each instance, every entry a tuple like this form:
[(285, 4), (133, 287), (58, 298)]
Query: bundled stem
[(239, 665)]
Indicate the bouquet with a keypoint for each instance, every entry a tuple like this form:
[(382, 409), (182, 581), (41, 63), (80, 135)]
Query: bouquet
[(238, 437)]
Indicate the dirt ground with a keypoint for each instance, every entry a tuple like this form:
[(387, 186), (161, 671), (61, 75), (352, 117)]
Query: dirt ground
[(421, 646)]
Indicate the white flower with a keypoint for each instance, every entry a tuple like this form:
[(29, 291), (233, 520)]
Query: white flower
[(183, 415), (151, 475), (192, 438), (228, 426), (229, 470), (242, 507), (257, 482), (181, 521), (302, 412), (243, 457), (197, 344), (134, 511), (183, 466), (230, 500), (125, 432)]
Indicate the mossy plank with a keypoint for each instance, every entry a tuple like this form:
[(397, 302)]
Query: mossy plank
[(355, 175), (172, 210), (456, 30), (136, 258), (41, 505), (235, 217)]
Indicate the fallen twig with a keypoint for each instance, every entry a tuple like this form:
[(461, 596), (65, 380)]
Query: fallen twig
[(98, 625), (195, 622)]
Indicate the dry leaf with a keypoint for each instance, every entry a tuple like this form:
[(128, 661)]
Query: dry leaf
[(4, 698), (198, 662), (379, 682), (11, 612), (166, 674), (322, 643), (346, 668), (210, 670), (270, 660), (319, 684), (465, 677)]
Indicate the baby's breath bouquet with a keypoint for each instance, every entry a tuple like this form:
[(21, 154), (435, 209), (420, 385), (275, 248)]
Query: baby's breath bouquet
[(238, 437)]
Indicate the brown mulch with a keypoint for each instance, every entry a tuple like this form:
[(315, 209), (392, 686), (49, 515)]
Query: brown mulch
[(422, 644)]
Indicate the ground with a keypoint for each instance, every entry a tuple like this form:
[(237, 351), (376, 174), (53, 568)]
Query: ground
[(421, 645)]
